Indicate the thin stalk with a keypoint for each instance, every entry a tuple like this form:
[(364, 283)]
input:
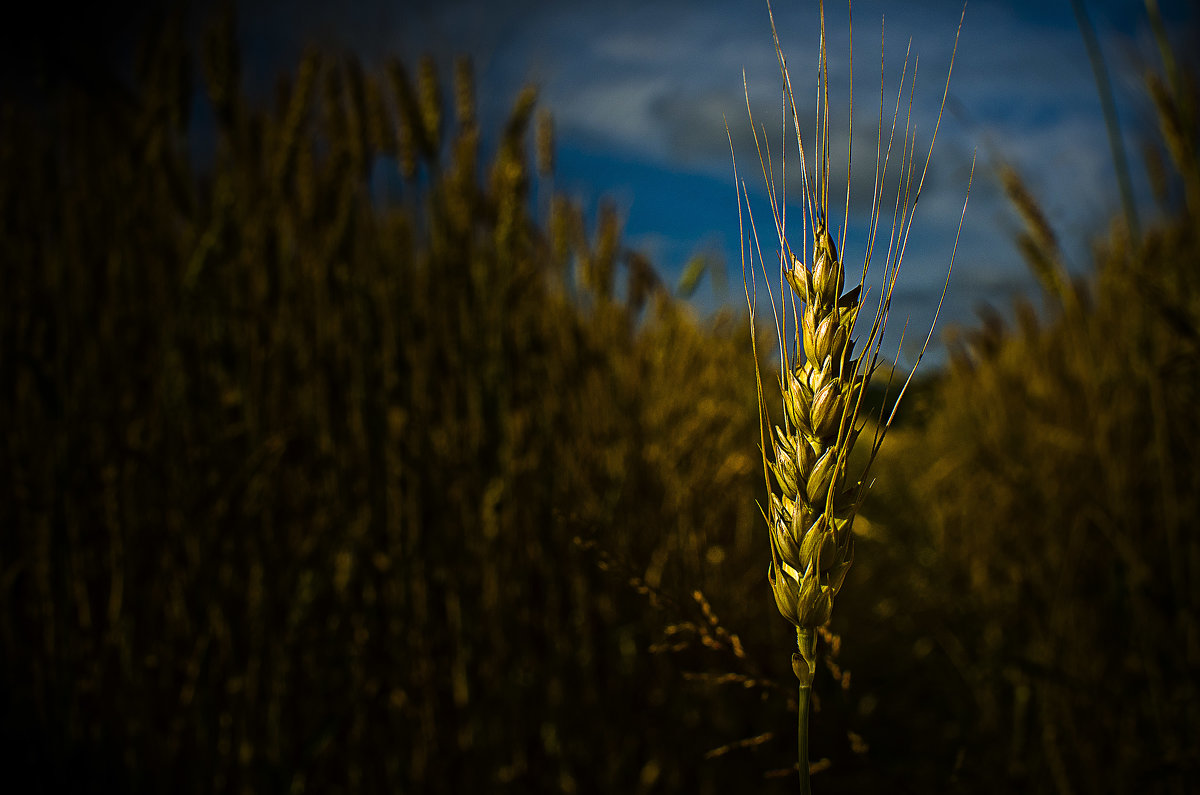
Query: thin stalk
[(805, 692), (804, 663), (1109, 107)]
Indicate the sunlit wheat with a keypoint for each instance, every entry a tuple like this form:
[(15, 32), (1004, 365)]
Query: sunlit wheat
[(814, 494)]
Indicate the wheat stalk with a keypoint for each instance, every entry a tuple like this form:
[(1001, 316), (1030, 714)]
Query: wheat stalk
[(813, 495)]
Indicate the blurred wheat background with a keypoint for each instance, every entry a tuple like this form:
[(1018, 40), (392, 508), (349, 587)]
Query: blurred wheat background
[(316, 486)]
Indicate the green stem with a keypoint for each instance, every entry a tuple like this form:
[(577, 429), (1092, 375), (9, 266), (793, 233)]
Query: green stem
[(804, 663), (805, 786)]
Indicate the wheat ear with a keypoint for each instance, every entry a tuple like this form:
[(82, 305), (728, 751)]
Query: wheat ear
[(813, 497)]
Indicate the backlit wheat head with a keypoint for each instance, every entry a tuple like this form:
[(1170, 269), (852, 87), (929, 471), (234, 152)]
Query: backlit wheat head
[(814, 494)]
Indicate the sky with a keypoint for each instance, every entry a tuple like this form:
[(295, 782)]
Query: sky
[(642, 93)]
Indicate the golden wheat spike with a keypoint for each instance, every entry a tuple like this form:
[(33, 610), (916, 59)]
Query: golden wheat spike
[(813, 496)]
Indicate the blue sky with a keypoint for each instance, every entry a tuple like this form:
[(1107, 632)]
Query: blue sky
[(641, 91)]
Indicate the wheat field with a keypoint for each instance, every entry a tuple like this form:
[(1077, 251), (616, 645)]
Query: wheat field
[(309, 489)]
